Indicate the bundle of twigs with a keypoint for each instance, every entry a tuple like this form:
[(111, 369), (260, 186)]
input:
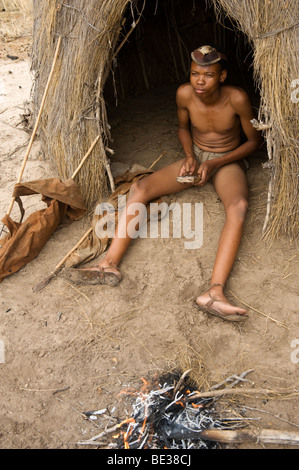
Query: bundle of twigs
[(272, 29)]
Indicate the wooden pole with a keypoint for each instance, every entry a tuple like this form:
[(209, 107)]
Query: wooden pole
[(36, 124), (37, 120), (47, 279), (85, 156), (264, 436), (223, 436)]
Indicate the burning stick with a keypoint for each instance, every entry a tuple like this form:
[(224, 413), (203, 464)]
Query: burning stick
[(174, 417), (107, 431), (265, 436), (178, 385)]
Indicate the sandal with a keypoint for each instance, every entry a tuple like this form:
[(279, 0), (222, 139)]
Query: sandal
[(93, 276), (238, 317)]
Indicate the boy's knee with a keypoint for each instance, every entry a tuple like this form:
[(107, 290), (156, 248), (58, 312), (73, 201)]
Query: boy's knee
[(238, 208), (138, 190), (133, 188)]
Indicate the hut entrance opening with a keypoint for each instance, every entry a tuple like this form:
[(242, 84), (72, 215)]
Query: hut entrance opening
[(155, 59)]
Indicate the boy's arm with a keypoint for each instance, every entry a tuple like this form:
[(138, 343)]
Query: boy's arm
[(184, 134), (243, 109)]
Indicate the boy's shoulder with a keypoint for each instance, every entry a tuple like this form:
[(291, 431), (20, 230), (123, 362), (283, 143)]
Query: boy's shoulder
[(185, 88), (184, 91), (236, 94)]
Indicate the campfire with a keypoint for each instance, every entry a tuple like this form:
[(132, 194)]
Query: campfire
[(170, 416), (170, 413)]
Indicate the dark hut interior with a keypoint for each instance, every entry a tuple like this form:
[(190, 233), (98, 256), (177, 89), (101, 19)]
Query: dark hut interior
[(158, 50), (154, 61)]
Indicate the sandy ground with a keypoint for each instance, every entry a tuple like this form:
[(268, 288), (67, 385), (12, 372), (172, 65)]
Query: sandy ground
[(69, 350)]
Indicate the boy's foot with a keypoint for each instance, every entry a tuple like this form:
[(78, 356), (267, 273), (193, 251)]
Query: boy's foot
[(218, 305), (94, 275)]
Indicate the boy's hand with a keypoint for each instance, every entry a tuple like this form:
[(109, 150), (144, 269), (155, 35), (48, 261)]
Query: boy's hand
[(188, 167), (205, 171)]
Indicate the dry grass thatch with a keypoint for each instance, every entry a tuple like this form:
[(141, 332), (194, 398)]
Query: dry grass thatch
[(92, 34), (15, 19), (77, 112), (271, 27), (16, 5)]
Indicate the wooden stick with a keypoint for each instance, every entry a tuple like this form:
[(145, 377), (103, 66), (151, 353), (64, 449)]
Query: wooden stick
[(265, 436), (135, 23), (102, 434), (231, 391), (107, 431), (37, 122), (283, 325), (103, 149), (180, 381), (46, 281), (156, 161), (85, 156), (107, 166)]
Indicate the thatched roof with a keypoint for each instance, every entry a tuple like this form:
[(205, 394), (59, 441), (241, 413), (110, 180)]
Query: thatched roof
[(100, 36)]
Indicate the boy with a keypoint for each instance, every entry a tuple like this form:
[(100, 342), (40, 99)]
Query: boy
[(210, 119)]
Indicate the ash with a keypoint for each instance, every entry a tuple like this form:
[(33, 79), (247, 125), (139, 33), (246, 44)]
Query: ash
[(168, 417)]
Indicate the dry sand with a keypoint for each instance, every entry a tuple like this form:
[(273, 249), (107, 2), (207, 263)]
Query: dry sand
[(95, 341)]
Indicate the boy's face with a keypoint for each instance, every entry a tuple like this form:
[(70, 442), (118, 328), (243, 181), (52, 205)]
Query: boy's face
[(206, 79)]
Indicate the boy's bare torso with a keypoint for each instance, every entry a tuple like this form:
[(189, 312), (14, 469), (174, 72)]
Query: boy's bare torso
[(215, 127)]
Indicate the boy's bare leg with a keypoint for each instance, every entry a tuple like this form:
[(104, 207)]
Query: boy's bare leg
[(160, 183), (231, 185)]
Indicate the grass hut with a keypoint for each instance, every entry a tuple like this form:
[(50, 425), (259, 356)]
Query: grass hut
[(111, 48), (13, 5)]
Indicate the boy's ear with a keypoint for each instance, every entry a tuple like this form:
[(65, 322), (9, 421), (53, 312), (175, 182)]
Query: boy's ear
[(223, 75)]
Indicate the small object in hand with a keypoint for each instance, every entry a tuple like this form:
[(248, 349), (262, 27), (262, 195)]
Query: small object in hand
[(188, 179)]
